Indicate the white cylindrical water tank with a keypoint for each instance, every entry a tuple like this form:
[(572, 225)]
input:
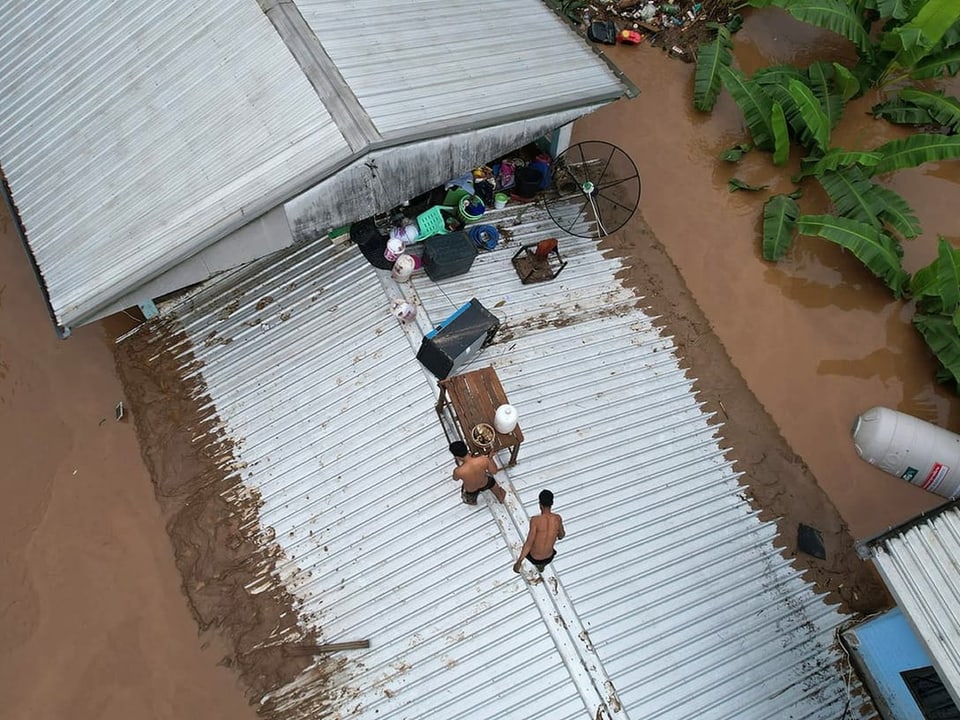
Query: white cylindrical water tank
[(910, 448)]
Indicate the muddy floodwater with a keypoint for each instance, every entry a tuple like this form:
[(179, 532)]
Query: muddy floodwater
[(93, 622), (817, 337)]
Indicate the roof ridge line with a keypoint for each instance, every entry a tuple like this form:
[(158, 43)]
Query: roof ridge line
[(350, 117), (569, 635)]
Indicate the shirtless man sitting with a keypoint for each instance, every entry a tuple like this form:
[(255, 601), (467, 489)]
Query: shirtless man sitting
[(475, 472), (545, 529)]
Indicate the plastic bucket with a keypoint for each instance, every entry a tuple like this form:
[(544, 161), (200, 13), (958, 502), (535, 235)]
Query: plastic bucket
[(529, 180), (500, 200), (471, 208)]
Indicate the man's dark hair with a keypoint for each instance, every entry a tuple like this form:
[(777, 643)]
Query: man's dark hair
[(459, 449), (546, 498)]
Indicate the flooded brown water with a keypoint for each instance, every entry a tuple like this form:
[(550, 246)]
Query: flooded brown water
[(817, 337), (93, 623)]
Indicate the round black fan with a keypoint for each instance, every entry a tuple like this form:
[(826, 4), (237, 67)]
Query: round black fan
[(597, 189)]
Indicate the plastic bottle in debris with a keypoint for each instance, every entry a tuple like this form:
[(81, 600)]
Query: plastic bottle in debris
[(669, 9), (648, 12)]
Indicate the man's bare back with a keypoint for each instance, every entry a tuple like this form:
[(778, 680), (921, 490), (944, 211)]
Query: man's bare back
[(545, 529), (476, 472)]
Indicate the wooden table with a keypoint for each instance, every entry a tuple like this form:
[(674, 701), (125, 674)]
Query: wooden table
[(472, 398)]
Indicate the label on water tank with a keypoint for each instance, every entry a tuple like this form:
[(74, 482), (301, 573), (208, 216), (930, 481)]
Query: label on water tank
[(909, 474), (935, 477)]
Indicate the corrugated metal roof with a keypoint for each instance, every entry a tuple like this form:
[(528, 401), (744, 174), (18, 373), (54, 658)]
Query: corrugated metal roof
[(920, 564), (133, 136), (133, 133), (668, 598), (454, 63)]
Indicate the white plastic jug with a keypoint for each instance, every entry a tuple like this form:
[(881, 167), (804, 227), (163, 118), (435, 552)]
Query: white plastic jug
[(505, 419)]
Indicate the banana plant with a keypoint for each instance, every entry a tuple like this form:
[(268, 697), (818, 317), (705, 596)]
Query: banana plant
[(897, 213), (917, 39), (943, 110), (821, 79), (834, 15), (916, 150), (942, 335), (936, 287), (711, 57), (753, 102), (898, 112), (850, 191), (836, 159), (873, 247), (780, 213)]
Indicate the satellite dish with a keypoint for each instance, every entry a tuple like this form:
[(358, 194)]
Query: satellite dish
[(594, 180)]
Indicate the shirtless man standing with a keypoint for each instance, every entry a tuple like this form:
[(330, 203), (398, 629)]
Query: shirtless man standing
[(545, 529), (475, 472)]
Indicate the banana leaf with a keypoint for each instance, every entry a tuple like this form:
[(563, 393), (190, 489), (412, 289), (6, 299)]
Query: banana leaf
[(935, 287), (710, 58), (734, 184), (845, 82), (778, 75), (779, 224), (898, 112), (836, 159), (950, 38), (916, 150), (834, 15), (924, 288), (896, 212), (941, 336), (896, 9), (734, 154), (937, 65), (781, 136), (821, 82), (873, 247), (852, 195), (812, 113), (948, 275), (753, 102), (944, 110)]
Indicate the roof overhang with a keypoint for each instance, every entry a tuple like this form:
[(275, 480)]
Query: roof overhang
[(157, 147), (920, 563)]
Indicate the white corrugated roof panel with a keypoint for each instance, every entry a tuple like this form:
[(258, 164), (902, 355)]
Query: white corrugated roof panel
[(455, 63), (920, 564), (668, 598), (133, 133)]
